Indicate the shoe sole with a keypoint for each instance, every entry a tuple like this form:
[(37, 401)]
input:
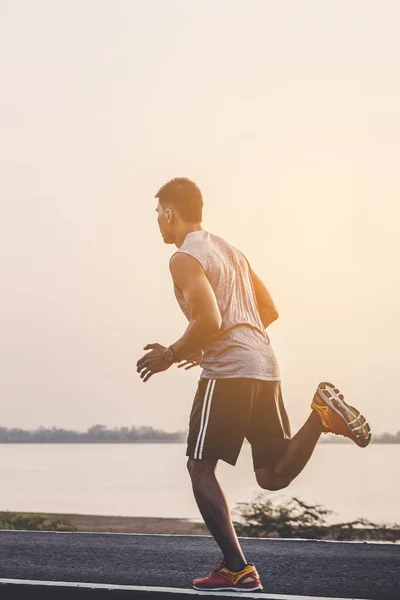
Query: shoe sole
[(355, 421), (228, 589)]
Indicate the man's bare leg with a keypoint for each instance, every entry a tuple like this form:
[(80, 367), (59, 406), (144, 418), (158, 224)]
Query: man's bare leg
[(215, 511), (297, 455)]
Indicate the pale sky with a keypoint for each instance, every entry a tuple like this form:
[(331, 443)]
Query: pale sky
[(285, 113)]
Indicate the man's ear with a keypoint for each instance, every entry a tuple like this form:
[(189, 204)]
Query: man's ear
[(168, 214)]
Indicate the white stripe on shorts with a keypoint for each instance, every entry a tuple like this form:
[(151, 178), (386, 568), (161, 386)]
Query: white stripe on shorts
[(210, 395), (202, 418)]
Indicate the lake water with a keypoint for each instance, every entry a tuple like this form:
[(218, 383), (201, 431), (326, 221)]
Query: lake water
[(151, 480)]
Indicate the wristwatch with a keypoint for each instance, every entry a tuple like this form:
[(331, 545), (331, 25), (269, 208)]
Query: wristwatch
[(168, 354)]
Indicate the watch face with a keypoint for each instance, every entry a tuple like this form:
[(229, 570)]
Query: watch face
[(169, 355)]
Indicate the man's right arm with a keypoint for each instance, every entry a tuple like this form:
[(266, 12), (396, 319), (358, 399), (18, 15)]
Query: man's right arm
[(266, 306)]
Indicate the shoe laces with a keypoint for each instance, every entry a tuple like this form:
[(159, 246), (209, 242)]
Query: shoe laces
[(229, 575), (217, 567)]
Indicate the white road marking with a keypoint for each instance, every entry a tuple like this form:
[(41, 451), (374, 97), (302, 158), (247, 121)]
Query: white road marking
[(164, 590), (206, 536)]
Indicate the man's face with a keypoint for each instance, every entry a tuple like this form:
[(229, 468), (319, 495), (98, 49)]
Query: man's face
[(164, 219)]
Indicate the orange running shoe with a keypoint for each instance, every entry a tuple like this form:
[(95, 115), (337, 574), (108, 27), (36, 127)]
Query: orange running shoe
[(221, 579), (339, 417)]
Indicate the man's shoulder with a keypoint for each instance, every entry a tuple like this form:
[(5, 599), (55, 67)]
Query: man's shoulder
[(228, 248)]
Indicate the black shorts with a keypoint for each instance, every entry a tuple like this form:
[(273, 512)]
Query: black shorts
[(225, 411)]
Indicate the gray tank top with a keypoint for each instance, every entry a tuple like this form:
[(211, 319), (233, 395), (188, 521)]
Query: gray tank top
[(241, 348)]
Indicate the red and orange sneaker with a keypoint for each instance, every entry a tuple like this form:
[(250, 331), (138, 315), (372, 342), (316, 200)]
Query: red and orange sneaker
[(339, 417), (222, 578)]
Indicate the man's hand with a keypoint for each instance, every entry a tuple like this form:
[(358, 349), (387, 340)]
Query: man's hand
[(191, 361), (152, 362)]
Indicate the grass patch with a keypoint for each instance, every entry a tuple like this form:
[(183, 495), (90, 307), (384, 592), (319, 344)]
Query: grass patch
[(34, 521)]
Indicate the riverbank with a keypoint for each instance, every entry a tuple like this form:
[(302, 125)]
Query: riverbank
[(135, 524), (150, 525), (99, 523)]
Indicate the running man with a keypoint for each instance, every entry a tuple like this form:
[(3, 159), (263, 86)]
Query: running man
[(239, 391)]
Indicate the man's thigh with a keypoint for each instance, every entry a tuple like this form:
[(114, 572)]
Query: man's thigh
[(269, 428), (219, 418)]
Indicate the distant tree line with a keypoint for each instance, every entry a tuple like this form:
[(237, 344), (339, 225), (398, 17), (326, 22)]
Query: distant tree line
[(95, 434), (144, 434)]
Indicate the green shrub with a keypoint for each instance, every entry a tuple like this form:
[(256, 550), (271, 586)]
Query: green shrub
[(34, 521), (266, 517)]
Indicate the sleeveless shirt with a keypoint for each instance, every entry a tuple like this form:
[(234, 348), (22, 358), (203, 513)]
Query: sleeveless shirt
[(241, 348)]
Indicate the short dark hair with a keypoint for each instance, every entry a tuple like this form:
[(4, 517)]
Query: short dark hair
[(182, 194)]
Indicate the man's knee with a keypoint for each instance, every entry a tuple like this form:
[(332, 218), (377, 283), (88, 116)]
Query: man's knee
[(267, 480), (200, 468)]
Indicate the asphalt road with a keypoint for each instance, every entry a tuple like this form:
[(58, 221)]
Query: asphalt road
[(312, 568)]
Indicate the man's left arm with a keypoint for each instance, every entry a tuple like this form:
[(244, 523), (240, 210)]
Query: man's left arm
[(190, 278)]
